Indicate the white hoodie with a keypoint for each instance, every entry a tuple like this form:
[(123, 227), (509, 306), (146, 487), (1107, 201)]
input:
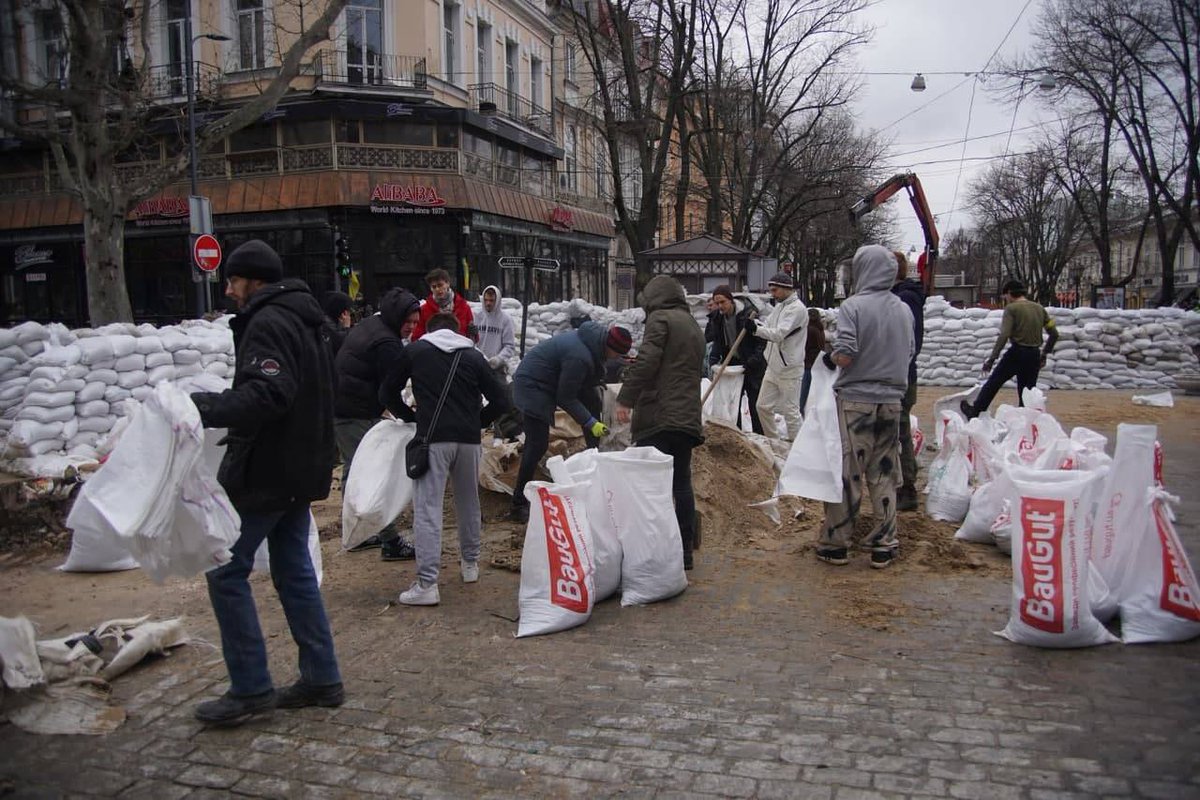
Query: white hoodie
[(786, 332), (496, 337)]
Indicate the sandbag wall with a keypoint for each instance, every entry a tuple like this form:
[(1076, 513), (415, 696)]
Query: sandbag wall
[(62, 391)]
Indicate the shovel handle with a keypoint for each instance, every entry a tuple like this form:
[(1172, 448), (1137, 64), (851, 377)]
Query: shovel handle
[(725, 362)]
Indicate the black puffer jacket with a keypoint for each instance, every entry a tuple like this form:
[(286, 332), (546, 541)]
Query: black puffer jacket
[(279, 412), (369, 353), (750, 351), (913, 295)]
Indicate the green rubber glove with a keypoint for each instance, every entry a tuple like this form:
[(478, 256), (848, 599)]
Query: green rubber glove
[(599, 429)]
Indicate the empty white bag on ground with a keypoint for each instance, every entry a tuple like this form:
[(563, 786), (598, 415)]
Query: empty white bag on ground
[(605, 544), (1121, 511), (1051, 600), (1161, 600), (643, 509), (726, 395), (156, 495), (378, 488), (557, 589), (949, 485), (1157, 400), (262, 558), (814, 465)]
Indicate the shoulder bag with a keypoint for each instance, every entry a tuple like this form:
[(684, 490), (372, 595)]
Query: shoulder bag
[(416, 452)]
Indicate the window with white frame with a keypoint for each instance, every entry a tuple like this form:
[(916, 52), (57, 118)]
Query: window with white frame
[(569, 61), (451, 25), (572, 158), (176, 47), (364, 41), (251, 29), (512, 78), (483, 52), (535, 81)]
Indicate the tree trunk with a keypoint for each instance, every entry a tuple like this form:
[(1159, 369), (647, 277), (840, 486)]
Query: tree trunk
[(104, 253)]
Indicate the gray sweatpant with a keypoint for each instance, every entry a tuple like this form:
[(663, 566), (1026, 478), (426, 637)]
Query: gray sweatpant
[(460, 463)]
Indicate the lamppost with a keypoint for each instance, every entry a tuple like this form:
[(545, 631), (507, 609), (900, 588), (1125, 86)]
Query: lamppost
[(202, 293)]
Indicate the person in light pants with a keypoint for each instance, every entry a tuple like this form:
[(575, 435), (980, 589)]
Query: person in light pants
[(785, 330)]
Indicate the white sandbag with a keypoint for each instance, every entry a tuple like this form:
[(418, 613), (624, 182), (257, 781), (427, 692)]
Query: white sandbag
[(1157, 400), (918, 438), (97, 424), (94, 408), (116, 394), (132, 380), (814, 464), (123, 345), (94, 548), (1052, 515), (377, 488), (949, 484), (1034, 398), (557, 586), (726, 396), (950, 402), (95, 349), (106, 376), (54, 374), (147, 345), (159, 359), (643, 511), (91, 391), (1002, 527), (49, 399), (134, 362), (1161, 599), (140, 393), (64, 356), (160, 374), (25, 432), (605, 543), (986, 505), (40, 414), (1121, 511), (188, 370), (41, 386), (262, 558), (188, 356)]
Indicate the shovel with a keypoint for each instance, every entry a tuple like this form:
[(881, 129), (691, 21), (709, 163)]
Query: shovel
[(725, 362)]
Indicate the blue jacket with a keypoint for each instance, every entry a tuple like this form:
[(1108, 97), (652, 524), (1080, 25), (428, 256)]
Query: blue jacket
[(558, 370)]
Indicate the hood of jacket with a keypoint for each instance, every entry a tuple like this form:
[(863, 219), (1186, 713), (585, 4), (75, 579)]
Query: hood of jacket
[(496, 310), (593, 334), (663, 292), (873, 269), (910, 290), (447, 340), (291, 293), (395, 307)]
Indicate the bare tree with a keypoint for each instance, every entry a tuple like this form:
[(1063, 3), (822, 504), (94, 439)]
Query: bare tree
[(1030, 225), (102, 106)]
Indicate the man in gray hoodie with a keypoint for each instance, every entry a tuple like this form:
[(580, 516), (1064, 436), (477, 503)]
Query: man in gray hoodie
[(873, 347), (497, 341)]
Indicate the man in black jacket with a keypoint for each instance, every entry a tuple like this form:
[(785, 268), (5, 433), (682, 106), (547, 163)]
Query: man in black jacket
[(725, 322), (454, 449), (371, 352), (913, 295), (278, 459), (338, 319)]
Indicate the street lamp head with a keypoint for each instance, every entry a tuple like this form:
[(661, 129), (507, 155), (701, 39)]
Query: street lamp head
[(918, 83), (1047, 83)]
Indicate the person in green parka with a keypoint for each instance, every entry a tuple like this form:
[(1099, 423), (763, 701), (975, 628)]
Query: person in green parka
[(661, 392)]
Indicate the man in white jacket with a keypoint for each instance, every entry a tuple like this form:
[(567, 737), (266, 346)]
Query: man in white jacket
[(785, 331)]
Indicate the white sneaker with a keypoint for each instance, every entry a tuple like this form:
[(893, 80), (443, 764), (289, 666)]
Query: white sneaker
[(418, 595), (470, 571)]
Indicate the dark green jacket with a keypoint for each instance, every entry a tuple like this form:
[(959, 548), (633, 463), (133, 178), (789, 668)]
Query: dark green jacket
[(663, 385)]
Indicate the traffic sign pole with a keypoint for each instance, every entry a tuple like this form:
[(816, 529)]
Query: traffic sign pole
[(528, 264), (206, 257)]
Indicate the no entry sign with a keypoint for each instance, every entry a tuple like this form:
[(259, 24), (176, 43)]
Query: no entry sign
[(206, 252)]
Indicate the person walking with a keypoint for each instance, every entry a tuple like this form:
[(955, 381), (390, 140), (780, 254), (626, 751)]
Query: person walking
[(814, 344), (338, 318), (448, 377), (785, 330), (561, 372), (369, 354), (443, 299), (1023, 323), (727, 320), (661, 394), (873, 346), (913, 294), (278, 459)]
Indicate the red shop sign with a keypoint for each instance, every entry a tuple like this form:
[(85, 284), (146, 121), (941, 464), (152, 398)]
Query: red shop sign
[(561, 218), (423, 196)]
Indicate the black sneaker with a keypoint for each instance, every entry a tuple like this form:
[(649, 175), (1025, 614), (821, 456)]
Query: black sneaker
[(368, 544), (838, 556), (302, 695), (519, 514), (229, 710), (906, 499), (967, 410), (882, 559), (397, 550)]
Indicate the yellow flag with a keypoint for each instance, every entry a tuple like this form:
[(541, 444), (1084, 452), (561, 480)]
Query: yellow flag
[(354, 286), (466, 275)]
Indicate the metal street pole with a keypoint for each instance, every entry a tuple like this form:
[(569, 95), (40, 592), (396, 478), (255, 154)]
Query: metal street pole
[(200, 279)]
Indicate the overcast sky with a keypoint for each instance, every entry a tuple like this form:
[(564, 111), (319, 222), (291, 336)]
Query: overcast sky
[(932, 36)]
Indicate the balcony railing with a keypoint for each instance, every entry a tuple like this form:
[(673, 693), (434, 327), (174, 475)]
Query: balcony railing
[(370, 70), (169, 81), (493, 98)]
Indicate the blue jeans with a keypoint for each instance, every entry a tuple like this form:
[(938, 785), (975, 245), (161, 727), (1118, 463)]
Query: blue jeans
[(296, 583)]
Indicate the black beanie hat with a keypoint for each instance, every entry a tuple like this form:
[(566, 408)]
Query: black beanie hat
[(256, 260), (334, 304)]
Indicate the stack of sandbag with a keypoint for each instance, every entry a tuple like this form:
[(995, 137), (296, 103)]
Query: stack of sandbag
[(63, 392), (1097, 348)]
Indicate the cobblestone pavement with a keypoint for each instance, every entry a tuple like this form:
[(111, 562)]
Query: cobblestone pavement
[(771, 676)]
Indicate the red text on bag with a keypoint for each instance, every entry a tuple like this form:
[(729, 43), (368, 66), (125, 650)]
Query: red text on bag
[(1042, 522), (1178, 581), (567, 588)]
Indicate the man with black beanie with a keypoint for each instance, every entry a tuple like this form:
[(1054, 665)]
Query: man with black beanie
[(278, 459), (371, 352), (336, 306)]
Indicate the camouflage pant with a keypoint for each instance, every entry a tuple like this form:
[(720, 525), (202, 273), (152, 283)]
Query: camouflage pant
[(870, 451)]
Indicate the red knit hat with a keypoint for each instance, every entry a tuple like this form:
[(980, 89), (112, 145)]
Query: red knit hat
[(618, 339)]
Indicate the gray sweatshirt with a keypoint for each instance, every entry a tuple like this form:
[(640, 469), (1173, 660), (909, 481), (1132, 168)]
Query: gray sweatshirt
[(875, 329)]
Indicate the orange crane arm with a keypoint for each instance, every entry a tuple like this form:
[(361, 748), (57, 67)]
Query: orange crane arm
[(916, 195)]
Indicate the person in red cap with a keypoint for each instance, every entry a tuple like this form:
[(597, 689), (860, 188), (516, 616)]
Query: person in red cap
[(560, 373)]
